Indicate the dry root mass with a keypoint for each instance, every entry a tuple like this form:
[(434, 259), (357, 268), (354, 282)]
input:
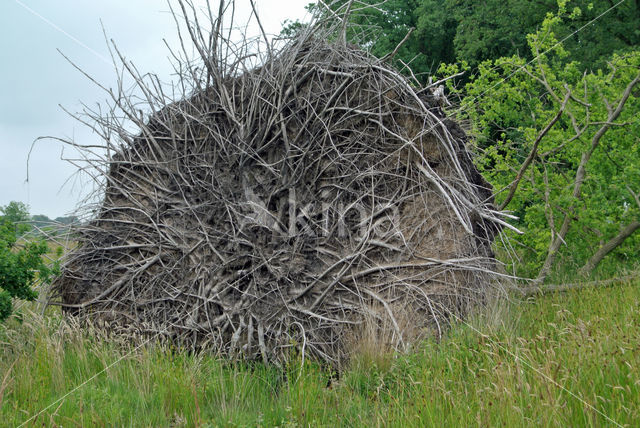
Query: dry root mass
[(298, 204)]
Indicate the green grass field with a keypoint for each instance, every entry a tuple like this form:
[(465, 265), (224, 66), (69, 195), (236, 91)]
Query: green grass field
[(568, 359)]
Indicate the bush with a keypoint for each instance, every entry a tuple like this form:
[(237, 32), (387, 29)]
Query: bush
[(21, 262)]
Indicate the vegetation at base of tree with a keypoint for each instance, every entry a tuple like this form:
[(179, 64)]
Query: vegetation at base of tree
[(21, 261)]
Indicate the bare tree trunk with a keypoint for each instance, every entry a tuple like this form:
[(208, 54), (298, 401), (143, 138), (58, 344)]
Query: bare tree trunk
[(559, 288), (605, 249), (609, 246)]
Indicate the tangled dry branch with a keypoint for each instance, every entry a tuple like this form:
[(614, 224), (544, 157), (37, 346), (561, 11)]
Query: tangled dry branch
[(282, 205)]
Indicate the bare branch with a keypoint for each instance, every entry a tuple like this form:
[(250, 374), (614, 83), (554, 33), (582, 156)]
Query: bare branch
[(532, 154)]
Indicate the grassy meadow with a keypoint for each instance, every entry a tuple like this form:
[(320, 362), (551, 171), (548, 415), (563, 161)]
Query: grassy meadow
[(566, 359)]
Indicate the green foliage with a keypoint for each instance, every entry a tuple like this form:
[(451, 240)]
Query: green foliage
[(616, 29), (494, 28), (505, 375), (497, 28), (21, 262), (381, 28), (15, 215), (511, 100), (471, 31)]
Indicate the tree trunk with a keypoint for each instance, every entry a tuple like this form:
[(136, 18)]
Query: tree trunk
[(609, 246)]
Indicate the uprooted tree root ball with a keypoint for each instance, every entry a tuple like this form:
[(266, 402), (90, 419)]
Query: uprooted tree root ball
[(294, 204)]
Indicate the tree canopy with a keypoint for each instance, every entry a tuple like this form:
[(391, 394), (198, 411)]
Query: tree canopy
[(568, 142), (457, 31)]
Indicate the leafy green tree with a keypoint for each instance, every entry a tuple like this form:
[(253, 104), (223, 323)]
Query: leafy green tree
[(494, 28), (562, 146), (21, 262), (591, 30), (471, 31), (382, 27), (16, 213), (599, 29)]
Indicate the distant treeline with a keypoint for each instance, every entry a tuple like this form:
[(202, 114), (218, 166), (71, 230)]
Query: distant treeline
[(40, 223), (17, 214)]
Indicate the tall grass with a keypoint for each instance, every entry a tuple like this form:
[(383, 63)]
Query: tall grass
[(493, 371)]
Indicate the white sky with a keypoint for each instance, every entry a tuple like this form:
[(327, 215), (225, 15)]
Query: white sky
[(35, 79)]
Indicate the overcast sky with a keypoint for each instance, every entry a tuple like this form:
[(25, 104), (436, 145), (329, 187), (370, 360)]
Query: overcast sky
[(35, 80)]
